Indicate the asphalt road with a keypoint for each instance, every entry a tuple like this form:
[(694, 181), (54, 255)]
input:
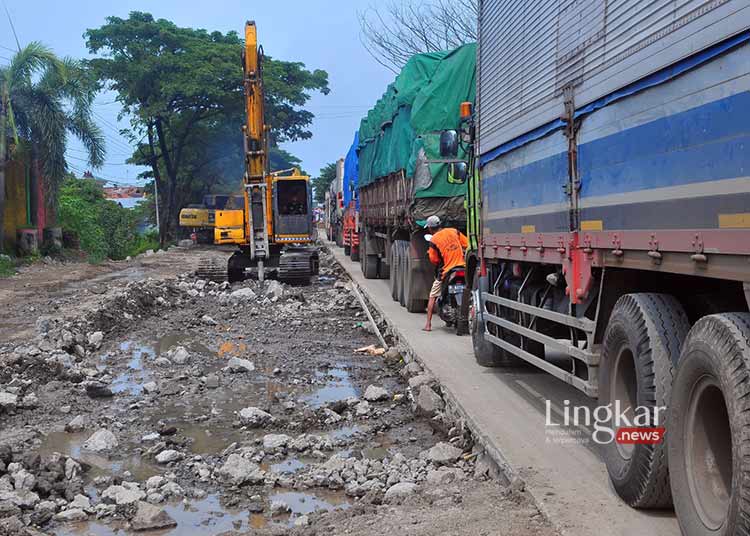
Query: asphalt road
[(507, 409)]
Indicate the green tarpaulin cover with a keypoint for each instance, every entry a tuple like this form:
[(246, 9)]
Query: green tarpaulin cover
[(402, 131)]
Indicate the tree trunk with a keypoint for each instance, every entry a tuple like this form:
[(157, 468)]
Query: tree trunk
[(170, 218), (158, 183), (3, 150)]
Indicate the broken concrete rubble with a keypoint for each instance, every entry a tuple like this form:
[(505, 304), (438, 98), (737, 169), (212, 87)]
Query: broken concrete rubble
[(100, 441)]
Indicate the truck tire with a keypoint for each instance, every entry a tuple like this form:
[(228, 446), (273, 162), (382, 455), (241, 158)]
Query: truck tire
[(354, 253), (403, 251), (339, 237), (347, 251), (709, 428), (363, 258), (414, 302), (370, 266), (393, 280), (486, 354), (384, 269), (641, 344)]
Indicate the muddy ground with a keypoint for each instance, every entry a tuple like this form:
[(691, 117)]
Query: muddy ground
[(134, 396)]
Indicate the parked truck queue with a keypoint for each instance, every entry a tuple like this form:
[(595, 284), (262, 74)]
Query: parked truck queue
[(599, 166)]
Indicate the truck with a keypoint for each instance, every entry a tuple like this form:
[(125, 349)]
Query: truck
[(334, 214), (350, 197), (611, 202), (402, 179)]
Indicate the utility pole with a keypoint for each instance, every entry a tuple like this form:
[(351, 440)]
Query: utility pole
[(156, 202), (3, 150)]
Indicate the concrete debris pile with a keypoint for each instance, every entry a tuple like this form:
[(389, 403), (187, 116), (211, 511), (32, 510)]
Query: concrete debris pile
[(184, 389)]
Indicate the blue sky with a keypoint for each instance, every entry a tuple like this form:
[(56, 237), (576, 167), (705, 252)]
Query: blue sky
[(323, 34)]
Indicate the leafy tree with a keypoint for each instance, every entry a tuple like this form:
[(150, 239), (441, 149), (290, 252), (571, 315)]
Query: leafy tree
[(183, 91), (42, 100), (324, 179), (281, 159), (104, 228)]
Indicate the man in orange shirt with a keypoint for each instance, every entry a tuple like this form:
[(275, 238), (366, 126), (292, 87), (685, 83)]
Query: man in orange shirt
[(446, 251)]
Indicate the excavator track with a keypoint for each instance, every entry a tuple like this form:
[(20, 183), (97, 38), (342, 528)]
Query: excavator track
[(298, 264), (211, 269)]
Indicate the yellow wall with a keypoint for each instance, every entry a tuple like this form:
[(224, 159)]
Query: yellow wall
[(15, 202)]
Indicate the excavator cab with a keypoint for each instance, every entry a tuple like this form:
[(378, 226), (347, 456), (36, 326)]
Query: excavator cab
[(292, 210)]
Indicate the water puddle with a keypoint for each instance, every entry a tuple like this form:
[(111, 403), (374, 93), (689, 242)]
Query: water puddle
[(306, 503), (166, 342), (130, 382), (72, 445), (289, 466), (339, 387), (208, 439), (197, 518), (375, 453), (347, 432)]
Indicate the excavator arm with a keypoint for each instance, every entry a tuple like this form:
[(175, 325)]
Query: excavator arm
[(258, 217), (277, 229)]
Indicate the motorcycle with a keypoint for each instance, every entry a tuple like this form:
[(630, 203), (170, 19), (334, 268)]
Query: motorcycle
[(451, 297)]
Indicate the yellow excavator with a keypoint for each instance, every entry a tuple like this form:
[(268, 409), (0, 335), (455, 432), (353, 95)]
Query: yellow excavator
[(200, 219), (275, 232)]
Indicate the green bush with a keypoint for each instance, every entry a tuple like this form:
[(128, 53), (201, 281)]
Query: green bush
[(144, 242), (104, 228), (7, 266)]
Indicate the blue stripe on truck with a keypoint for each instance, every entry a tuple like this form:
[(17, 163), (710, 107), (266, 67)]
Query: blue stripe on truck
[(706, 143), (538, 183)]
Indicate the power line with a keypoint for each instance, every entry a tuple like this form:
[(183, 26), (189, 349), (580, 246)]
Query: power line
[(115, 129), (12, 26), (105, 163), (80, 151)]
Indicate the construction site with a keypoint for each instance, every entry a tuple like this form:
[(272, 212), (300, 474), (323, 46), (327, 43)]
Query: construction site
[(515, 302)]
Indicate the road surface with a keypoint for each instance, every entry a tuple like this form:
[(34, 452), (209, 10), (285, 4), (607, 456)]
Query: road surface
[(507, 409)]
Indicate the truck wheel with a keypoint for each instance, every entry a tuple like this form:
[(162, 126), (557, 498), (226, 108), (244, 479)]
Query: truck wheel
[(363, 258), (486, 354), (709, 428), (393, 280), (414, 303), (384, 269), (370, 266), (354, 253), (641, 345), (402, 272), (347, 250)]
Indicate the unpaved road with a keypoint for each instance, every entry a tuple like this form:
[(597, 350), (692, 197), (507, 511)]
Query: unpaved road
[(54, 288), (133, 396)]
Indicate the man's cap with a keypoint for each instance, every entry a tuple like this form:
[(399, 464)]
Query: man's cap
[(432, 221)]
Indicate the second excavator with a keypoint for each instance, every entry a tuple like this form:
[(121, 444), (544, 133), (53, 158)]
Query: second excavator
[(276, 239)]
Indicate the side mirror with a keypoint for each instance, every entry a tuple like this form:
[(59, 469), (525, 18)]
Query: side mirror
[(457, 172), (448, 144)]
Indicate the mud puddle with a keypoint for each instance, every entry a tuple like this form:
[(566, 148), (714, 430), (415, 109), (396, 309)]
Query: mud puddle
[(301, 503), (72, 445), (205, 517), (339, 386)]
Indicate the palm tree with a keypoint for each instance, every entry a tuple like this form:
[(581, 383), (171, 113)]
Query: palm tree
[(42, 100)]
